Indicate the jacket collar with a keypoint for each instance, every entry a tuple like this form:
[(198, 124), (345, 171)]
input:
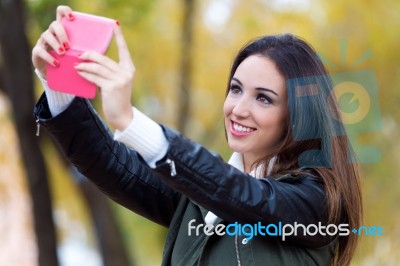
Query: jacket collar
[(236, 161)]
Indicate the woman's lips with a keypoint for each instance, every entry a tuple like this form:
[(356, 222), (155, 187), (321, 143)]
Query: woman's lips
[(239, 130)]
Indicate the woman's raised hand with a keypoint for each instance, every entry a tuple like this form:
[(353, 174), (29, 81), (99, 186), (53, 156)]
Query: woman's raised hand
[(54, 38), (115, 80)]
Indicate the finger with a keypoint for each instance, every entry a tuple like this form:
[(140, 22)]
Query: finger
[(48, 39), (64, 11), (123, 51), (57, 29), (39, 52), (98, 81), (96, 69), (100, 59)]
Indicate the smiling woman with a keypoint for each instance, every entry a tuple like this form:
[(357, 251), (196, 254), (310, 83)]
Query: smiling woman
[(291, 161), (302, 122), (255, 109)]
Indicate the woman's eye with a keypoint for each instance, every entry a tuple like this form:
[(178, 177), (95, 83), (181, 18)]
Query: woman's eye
[(264, 99), (235, 89)]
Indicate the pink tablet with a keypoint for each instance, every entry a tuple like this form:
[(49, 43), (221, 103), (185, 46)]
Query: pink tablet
[(86, 33)]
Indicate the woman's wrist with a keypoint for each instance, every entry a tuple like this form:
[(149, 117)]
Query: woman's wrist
[(145, 136), (122, 121)]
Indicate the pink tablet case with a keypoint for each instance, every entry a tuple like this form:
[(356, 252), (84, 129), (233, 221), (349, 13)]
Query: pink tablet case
[(86, 32)]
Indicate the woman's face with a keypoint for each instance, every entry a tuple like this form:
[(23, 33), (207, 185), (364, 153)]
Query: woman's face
[(255, 108)]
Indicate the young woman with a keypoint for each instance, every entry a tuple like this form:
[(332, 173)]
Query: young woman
[(292, 162)]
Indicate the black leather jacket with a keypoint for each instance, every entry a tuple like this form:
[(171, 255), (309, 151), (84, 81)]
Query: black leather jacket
[(188, 171)]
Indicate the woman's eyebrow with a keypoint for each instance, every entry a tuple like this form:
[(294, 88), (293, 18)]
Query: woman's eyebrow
[(267, 90), (258, 88), (238, 81)]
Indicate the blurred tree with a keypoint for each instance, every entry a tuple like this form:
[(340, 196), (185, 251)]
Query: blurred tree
[(16, 80), (189, 9), (18, 84)]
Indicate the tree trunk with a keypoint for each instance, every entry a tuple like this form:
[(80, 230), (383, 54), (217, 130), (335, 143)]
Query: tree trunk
[(18, 84), (186, 65)]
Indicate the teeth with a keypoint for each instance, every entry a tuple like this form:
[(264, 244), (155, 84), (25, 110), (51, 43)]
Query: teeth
[(241, 128)]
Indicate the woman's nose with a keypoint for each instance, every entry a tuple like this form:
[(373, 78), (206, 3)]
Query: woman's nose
[(242, 108)]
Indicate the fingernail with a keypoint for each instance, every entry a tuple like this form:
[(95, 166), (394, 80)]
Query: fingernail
[(117, 22), (71, 16), (66, 45), (61, 50), (56, 63)]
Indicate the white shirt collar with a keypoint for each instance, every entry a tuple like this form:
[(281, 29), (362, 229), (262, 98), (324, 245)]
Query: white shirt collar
[(236, 160)]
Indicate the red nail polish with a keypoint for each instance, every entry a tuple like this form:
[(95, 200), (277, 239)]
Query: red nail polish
[(117, 21), (56, 63), (61, 50), (71, 16), (66, 45)]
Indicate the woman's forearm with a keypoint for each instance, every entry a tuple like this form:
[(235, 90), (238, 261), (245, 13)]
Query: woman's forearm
[(143, 134)]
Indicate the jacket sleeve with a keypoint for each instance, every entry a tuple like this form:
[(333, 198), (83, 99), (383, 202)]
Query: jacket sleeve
[(237, 197), (115, 169)]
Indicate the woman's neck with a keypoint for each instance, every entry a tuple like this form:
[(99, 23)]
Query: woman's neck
[(248, 163)]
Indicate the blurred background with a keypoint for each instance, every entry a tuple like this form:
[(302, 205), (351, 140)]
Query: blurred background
[(182, 50)]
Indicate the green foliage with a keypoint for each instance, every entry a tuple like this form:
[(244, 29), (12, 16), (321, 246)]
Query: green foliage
[(43, 11)]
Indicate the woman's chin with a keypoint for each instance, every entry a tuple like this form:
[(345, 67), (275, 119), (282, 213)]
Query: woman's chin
[(237, 148)]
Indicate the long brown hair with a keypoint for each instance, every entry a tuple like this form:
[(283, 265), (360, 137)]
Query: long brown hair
[(316, 138)]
